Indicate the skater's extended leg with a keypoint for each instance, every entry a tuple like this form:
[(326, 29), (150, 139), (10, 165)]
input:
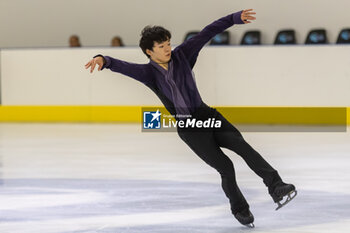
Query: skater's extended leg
[(229, 137), (205, 146)]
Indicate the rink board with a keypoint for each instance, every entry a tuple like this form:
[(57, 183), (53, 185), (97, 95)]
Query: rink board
[(133, 114)]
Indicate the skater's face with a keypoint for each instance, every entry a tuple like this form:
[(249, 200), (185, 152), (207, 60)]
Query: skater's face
[(161, 52)]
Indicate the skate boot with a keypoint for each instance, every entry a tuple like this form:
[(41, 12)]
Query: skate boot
[(282, 191), (245, 217)]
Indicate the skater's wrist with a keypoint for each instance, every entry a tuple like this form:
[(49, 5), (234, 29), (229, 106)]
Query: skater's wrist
[(103, 58), (236, 17)]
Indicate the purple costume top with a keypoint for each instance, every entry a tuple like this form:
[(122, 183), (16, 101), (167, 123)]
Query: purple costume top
[(176, 87)]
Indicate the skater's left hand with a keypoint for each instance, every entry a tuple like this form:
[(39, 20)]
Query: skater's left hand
[(247, 15)]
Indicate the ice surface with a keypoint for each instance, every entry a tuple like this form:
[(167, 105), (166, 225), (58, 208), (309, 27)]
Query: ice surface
[(112, 178)]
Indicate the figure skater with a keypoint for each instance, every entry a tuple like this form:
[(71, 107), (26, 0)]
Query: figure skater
[(169, 75)]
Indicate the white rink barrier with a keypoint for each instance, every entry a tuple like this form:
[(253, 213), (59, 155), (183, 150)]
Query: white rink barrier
[(226, 76)]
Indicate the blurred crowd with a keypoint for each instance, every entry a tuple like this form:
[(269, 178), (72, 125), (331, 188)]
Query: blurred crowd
[(74, 41)]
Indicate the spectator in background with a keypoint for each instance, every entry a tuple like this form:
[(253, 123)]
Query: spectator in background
[(74, 41), (117, 42)]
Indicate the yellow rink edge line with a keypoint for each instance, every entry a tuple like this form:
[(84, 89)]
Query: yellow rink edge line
[(133, 114)]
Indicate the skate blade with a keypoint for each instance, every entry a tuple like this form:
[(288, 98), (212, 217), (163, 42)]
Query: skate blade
[(250, 225), (290, 196)]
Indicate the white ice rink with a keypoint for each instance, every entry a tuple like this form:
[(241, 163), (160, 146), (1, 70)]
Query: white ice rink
[(111, 178)]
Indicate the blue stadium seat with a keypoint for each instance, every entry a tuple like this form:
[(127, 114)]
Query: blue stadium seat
[(344, 36), (221, 39), (285, 37), (251, 38), (318, 36)]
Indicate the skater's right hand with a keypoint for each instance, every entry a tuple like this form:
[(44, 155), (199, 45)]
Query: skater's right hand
[(248, 15), (97, 60)]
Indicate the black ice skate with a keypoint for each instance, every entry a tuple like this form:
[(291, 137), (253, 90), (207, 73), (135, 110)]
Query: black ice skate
[(245, 217), (282, 191)]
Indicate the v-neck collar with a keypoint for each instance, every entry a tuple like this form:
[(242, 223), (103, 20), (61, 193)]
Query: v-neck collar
[(160, 68)]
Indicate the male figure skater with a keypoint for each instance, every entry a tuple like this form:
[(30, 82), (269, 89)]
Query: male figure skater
[(169, 74)]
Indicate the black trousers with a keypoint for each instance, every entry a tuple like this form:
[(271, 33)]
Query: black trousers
[(206, 144)]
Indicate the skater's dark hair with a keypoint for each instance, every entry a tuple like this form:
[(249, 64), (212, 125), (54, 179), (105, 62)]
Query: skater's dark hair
[(149, 35)]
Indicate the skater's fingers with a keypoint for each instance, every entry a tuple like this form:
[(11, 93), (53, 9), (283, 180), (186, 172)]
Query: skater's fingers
[(92, 67), (249, 13), (250, 18), (247, 10), (99, 66), (88, 64)]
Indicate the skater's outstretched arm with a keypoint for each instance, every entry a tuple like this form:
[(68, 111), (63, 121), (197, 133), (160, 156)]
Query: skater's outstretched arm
[(136, 71), (192, 46)]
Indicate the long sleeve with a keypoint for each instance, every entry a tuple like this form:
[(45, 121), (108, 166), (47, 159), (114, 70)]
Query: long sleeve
[(192, 46), (135, 71)]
